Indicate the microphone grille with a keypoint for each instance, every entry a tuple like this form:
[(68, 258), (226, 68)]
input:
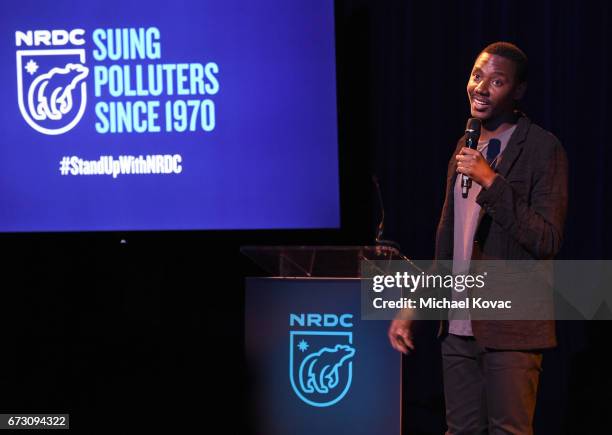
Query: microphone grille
[(473, 126)]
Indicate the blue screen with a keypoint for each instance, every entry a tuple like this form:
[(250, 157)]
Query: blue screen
[(157, 115)]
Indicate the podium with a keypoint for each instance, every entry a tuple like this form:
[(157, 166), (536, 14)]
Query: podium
[(316, 366)]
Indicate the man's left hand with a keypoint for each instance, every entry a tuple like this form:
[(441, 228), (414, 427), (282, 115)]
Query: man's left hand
[(471, 163)]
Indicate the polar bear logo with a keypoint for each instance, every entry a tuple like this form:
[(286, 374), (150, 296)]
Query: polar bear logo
[(319, 371), (50, 95)]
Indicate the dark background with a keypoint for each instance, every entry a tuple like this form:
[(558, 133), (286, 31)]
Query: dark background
[(150, 332)]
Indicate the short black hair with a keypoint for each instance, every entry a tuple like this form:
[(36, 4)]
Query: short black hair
[(513, 53)]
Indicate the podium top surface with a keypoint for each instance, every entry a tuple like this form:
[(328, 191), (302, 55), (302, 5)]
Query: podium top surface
[(317, 261)]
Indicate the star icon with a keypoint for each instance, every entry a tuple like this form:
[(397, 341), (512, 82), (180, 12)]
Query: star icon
[(302, 345), (31, 67)]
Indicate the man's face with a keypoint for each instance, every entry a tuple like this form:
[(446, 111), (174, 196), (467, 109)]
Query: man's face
[(493, 88)]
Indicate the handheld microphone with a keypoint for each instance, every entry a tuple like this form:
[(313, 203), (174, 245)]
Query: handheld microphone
[(472, 134)]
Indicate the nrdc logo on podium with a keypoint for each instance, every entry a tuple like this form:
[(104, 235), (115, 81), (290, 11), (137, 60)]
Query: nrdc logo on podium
[(321, 355), (51, 86)]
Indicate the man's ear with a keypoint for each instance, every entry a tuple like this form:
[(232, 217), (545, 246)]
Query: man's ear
[(519, 92)]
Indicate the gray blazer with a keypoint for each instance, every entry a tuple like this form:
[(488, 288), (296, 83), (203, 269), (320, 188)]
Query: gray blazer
[(522, 218)]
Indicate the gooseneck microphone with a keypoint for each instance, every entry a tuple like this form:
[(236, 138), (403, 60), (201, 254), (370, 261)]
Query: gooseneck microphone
[(381, 225), (472, 134)]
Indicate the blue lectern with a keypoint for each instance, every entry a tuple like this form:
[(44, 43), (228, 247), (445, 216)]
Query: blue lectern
[(316, 367)]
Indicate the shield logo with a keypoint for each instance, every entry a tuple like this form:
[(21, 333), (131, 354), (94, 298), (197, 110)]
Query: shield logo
[(51, 88), (321, 365)]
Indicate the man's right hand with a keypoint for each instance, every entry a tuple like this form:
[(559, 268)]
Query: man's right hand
[(400, 335)]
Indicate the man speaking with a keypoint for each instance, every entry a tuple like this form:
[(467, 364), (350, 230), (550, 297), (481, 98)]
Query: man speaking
[(506, 199)]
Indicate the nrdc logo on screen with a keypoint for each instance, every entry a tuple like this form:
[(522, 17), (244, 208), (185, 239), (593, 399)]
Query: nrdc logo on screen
[(173, 97), (51, 86)]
